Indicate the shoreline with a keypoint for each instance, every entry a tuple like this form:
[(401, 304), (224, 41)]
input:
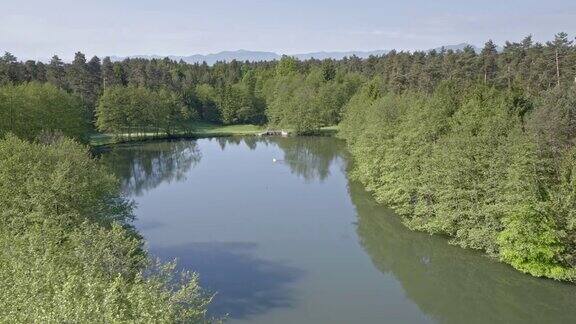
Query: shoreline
[(99, 140)]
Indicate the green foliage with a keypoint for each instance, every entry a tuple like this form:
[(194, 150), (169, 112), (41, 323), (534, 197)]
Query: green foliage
[(328, 70), (67, 250), (208, 107), (290, 105), (30, 109), (243, 92), (136, 110), (531, 244), (287, 65), (460, 162), (307, 103), (553, 121), (239, 89), (240, 105), (84, 79)]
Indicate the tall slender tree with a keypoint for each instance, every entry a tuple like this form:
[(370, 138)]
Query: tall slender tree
[(56, 73), (560, 47), (489, 55)]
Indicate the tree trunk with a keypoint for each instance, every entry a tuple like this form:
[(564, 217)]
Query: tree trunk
[(557, 69)]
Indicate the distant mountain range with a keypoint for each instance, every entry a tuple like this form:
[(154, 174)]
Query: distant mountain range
[(258, 56), (458, 47), (253, 56)]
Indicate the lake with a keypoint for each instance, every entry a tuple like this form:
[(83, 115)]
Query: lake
[(294, 240)]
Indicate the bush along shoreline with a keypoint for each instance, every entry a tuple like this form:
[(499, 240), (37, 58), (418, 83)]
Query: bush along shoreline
[(68, 251), (494, 170)]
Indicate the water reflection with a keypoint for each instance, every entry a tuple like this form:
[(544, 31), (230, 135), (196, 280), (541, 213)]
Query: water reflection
[(310, 157), (453, 285), (245, 284), (142, 167), (446, 283), (307, 157), (232, 140)]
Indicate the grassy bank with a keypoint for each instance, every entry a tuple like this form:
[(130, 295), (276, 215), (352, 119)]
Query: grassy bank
[(199, 130)]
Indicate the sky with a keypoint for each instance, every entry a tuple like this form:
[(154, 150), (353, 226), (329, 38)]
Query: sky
[(37, 29)]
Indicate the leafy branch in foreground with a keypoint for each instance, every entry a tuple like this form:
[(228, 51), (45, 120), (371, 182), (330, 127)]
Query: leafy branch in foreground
[(67, 250)]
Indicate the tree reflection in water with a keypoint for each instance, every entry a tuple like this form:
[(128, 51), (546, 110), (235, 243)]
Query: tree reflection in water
[(308, 157), (142, 167), (453, 285), (449, 284)]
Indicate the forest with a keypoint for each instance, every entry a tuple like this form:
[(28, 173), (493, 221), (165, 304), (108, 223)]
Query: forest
[(160, 95), (477, 147)]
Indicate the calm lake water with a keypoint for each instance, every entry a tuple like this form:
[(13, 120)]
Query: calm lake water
[(295, 241)]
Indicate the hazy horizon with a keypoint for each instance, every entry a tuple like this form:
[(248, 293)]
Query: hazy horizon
[(37, 29)]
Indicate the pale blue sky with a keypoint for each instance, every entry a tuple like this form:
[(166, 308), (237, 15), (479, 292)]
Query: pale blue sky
[(40, 28)]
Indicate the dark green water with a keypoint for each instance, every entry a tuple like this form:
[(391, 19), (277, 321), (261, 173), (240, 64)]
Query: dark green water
[(294, 241)]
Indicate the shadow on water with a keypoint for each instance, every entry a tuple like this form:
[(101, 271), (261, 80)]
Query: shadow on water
[(245, 284), (143, 167), (449, 284), (453, 285)]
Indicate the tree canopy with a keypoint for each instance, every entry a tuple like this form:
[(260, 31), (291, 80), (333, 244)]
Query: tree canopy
[(68, 252), (29, 109)]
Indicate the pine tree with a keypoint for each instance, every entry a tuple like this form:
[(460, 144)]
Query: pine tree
[(78, 76), (560, 47), (108, 76), (56, 74), (488, 57), (94, 86), (9, 69)]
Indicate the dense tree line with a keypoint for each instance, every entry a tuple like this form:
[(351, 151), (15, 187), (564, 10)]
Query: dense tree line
[(138, 110), (492, 169), (28, 109), (302, 95), (307, 102), (67, 250)]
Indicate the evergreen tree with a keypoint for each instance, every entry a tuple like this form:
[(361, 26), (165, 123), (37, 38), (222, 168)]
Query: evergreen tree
[(94, 86), (561, 47), (489, 55), (9, 69), (78, 78), (56, 73)]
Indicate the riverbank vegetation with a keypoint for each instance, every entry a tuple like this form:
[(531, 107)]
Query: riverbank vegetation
[(486, 167), (196, 129), (486, 160), (68, 252), (478, 147)]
